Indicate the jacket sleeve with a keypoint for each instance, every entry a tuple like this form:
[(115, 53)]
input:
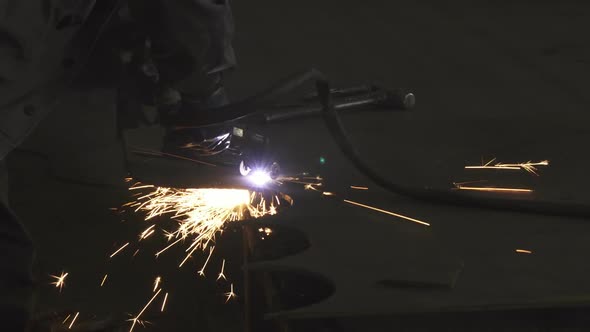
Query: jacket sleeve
[(33, 37)]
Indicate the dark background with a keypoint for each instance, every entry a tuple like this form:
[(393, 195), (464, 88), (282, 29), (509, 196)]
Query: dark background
[(501, 79)]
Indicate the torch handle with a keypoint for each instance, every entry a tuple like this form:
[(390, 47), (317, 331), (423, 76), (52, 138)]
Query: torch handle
[(392, 100)]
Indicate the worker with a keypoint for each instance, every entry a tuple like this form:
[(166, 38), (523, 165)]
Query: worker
[(44, 45)]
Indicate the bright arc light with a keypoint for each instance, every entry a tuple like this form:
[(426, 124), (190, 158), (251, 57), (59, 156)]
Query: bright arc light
[(259, 178)]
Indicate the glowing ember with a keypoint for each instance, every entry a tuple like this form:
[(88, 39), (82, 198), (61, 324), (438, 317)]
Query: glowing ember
[(528, 166), (60, 281), (387, 212), (523, 251), (265, 230)]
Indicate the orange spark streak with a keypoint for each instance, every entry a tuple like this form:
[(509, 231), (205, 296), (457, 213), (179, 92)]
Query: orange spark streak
[(523, 251), (164, 302), (118, 250), (327, 193), (495, 189), (202, 270), (388, 212), (221, 275), (157, 283), (359, 188), (73, 320), (142, 187), (230, 294), (104, 279), (65, 320), (147, 232), (142, 310), (187, 256), (60, 281), (528, 166), (168, 247)]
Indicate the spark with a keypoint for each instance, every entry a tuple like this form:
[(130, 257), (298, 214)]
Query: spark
[(118, 250), (164, 302), (147, 232), (523, 251), (359, 188), (142, 187), (157, 282), (73, 320), (327, 193), (493, 189), (528, 166), (221, 274), (60, 281), (65, 320), (103, 280), (265, 230), (388, 212), (136, 318), (230, 294), (168, 247), (136, 252), (201, 213), (202, 270), (311, 186)]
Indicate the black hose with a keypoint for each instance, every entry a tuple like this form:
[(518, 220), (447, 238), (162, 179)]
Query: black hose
[(250, 107), (440, 196)]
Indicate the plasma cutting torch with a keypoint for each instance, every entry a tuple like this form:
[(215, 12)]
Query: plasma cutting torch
[(251, 150)]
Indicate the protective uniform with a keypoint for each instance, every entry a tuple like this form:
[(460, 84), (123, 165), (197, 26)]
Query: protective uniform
[(40, 55)]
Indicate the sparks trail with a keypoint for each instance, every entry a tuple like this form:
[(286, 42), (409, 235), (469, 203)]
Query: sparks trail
[(60, 281), (136, 320), (202, 270), (359, 188), (73, 320), (147, 232), (201, 213), (119, 250), (164, 302), (528, 166), (157, 283), (387, 212), (492, 189), (221, 274), (230, 295)]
